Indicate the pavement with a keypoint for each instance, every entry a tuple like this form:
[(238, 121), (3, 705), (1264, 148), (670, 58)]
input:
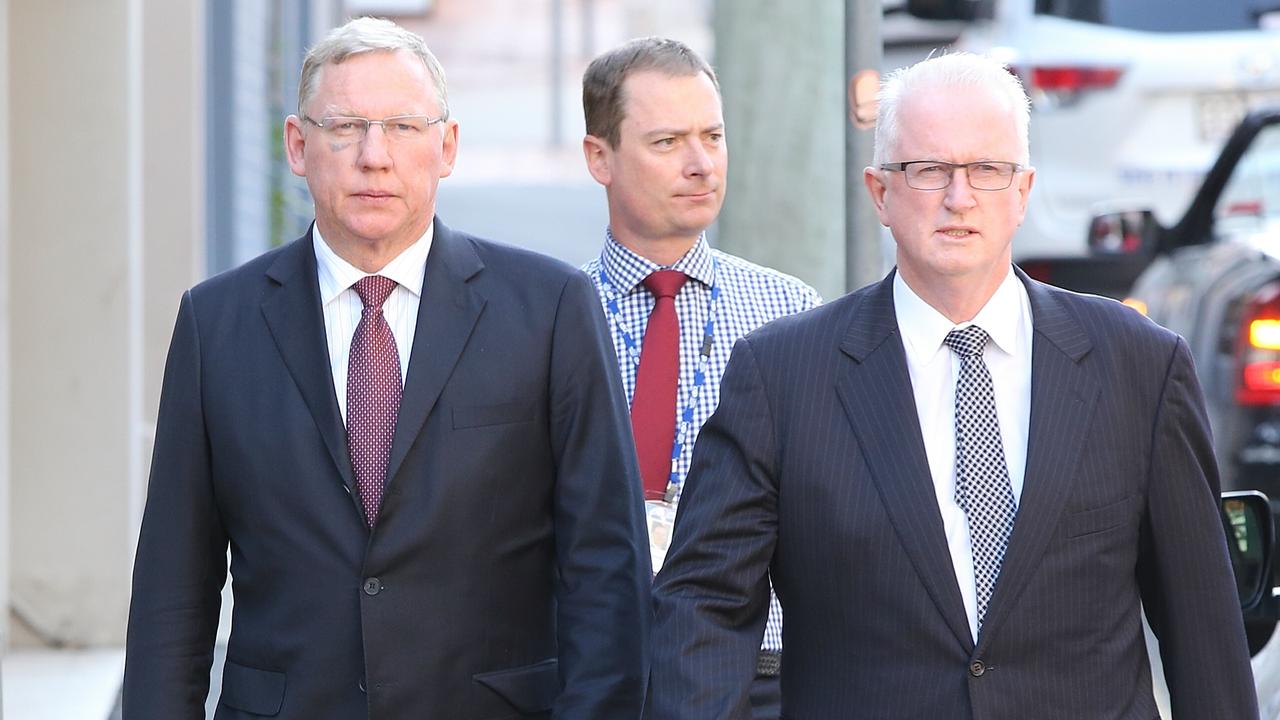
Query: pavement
[(520, 179)]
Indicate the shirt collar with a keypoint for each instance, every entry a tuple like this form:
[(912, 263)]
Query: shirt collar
[(337, 275), (923, 328), (626, 269)]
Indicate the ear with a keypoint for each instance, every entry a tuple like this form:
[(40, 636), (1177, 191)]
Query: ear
[(873, 178), (294, 145), (449, 148), (598, 155), (1027, 179)]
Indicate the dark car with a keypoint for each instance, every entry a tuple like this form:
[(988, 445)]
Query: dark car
[(1214, 278)]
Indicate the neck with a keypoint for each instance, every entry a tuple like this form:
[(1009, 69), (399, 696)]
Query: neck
[(367, 255), (663, 251), (959, 299)]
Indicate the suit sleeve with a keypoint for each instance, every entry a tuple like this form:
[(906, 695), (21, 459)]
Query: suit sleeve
[(712, 595), (603, 609), (180, 565), (1188, 590)]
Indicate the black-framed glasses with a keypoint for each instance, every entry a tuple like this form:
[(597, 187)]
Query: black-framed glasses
[(397, 127), (936, 175)]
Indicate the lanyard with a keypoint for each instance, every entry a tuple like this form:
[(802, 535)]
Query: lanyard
[(699, 376)]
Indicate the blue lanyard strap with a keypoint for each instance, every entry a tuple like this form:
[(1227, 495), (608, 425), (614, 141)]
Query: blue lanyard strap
[(685, 423)]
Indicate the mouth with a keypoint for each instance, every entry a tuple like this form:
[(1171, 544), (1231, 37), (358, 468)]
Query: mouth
[(958, 233), (698, 195), (373, 195)]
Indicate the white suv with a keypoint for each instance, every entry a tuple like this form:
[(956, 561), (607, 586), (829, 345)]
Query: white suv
[(1132, 98)]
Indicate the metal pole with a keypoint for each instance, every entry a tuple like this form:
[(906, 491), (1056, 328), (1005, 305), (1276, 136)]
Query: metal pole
[(862, 51), (557, 85)]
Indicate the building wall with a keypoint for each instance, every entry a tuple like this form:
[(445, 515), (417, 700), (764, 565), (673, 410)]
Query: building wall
[(4, 332), (105, 153)]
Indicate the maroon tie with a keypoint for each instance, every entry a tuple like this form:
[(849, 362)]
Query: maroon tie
[(373, 394), (653, 408)]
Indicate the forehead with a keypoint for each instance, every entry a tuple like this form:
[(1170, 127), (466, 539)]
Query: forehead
[(654, 98), (376, 82), (956, 124)]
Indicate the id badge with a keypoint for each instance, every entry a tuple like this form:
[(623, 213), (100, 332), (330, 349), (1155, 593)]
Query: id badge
[(662, 519)]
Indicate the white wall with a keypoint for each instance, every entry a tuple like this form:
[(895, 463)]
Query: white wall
[(104, 212), (4, 334)]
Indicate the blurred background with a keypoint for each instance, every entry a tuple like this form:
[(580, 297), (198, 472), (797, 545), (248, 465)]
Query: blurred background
[(140, 152)]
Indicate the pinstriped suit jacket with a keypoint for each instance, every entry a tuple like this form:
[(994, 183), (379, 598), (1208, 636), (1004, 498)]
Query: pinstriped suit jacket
[(813, 468)]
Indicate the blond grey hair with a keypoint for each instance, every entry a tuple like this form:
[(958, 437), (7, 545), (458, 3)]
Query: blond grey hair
[(365, 35), (956, 69)]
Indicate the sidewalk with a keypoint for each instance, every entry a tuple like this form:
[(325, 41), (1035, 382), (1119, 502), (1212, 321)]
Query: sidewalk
[(61, 684)]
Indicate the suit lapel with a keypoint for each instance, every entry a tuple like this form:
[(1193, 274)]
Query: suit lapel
[(294, 317), (1063, 395), (447, 313), (875, 390)]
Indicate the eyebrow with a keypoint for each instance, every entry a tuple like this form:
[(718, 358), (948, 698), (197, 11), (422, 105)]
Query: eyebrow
[(671, 131)]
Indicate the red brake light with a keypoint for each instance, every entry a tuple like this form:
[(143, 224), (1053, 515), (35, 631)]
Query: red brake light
[(1062, 86), (1258, 348), (1074, 79)]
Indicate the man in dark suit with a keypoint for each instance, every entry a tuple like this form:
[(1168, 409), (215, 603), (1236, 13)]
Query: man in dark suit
[(966, 485), (467, 543)]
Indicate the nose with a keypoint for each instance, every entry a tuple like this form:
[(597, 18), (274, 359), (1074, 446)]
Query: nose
[(698, 161), (374, 150), (959, 194)]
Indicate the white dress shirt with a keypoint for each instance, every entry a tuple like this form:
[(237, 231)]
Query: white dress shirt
[(342, 305), (934, 368)]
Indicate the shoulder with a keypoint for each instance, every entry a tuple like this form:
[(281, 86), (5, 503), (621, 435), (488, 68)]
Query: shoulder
[(760, 282), (245, 281), (514, 262), (1103, 318)]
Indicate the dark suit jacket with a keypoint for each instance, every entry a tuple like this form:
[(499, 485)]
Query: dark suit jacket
[(508, 574), (814, 468)]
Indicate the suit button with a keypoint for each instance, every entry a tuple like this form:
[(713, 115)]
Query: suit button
[(977, 668), (372, 586), (362, 687)]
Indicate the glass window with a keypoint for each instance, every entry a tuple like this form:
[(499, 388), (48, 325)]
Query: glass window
[(1162, 15)]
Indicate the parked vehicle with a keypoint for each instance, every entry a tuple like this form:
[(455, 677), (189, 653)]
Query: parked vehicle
[(1214, 278), (1131, 101)]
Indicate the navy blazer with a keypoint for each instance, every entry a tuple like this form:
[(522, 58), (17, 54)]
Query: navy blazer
[(814, 469), (508, 573)]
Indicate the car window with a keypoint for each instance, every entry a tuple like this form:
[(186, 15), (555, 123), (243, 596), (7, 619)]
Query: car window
[(1163, 15), (1251, 198)]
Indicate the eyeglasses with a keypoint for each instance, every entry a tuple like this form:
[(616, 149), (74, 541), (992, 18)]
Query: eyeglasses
[(936, 175), (397, 128)]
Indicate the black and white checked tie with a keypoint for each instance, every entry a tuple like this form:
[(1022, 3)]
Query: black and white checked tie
[(982, 478)]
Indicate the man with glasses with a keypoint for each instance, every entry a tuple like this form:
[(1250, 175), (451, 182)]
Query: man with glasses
[(965, 485), (413, 442)]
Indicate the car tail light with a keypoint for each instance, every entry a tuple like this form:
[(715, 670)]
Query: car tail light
[(1258, 348), (1057, 86)]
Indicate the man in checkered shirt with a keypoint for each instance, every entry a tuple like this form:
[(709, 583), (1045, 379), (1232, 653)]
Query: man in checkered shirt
[(656, 143)]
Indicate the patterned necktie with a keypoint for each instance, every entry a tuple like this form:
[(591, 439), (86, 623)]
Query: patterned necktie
[(982, 478), (653, 405), (373, 394)]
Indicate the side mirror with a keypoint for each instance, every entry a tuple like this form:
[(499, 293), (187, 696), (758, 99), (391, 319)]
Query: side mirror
[(1246, 517), (1126, 232)]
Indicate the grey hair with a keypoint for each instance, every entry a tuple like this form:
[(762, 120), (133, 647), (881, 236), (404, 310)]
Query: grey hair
[(956, 69), (364, 35)]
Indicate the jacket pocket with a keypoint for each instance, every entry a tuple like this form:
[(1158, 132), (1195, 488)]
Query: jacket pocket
[(1096, 520), (260, 692), (529, 689), (467, 416)]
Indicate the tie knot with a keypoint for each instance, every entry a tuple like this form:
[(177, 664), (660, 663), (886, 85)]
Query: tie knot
[(967, 342), (373, 290), (665, 283)]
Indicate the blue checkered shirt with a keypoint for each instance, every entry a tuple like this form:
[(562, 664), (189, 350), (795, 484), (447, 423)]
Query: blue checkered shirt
[(750, 296)]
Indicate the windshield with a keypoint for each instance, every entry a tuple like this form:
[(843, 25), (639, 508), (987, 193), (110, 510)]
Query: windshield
[(1165, 15), (1251, 198)]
